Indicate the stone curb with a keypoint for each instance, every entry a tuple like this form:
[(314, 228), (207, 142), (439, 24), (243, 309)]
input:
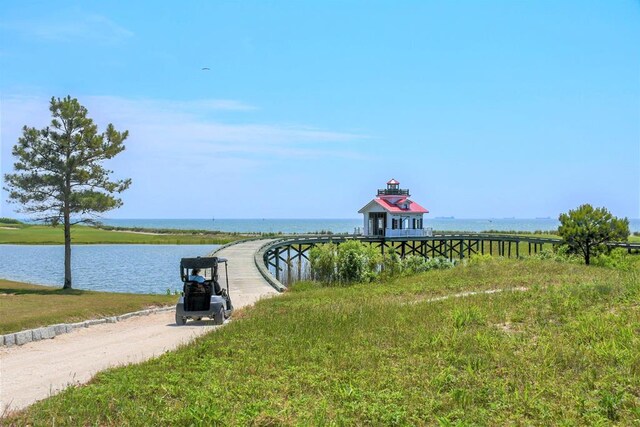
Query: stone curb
[(49, 332)]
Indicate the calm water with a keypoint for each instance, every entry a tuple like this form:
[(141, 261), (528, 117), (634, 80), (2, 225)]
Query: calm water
[(340, 225), (111, 268)]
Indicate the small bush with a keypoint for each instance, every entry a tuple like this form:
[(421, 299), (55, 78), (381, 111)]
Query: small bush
[(352, 262), (561, 253), (477, 259), (357, 262), (617, 259), (323, 260), (349, 262), (413, 264), (392, 264)]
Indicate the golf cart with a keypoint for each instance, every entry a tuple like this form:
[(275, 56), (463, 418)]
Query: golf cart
[(202, 295)]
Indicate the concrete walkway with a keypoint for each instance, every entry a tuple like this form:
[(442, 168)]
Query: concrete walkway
[(246, 284), (36, 370)]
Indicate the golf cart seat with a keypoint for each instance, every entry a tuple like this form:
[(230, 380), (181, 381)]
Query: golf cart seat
[(198, 296), (203, 299)]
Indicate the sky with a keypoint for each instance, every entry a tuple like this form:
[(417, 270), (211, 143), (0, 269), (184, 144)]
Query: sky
[(482, 109)]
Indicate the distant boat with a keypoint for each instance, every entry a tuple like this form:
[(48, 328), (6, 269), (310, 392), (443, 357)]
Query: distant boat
[(444, 217)]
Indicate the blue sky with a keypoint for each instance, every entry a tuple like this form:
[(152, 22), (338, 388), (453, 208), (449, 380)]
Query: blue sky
[(481, 108)]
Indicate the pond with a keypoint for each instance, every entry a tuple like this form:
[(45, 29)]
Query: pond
[(109, 268)]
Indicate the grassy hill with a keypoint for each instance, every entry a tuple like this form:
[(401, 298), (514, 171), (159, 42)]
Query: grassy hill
[(557, 345)]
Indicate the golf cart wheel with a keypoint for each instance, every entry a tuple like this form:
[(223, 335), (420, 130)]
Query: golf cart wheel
[(180, 320), (218, 317)]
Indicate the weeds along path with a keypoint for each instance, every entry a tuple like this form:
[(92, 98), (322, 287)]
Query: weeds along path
[(36, 370)]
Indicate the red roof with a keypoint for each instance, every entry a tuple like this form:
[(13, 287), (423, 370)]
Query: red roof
[(393, 181), (390, 207)]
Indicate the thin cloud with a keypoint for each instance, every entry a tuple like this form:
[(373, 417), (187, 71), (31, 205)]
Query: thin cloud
[(96, 28), (161, 129)]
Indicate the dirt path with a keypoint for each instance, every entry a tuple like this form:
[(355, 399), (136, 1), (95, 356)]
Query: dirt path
[(36, 370)]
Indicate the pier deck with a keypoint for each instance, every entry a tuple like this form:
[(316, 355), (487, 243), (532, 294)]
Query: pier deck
[(246, 283)]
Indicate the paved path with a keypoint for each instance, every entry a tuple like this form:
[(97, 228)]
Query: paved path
[(245, 281), (36, 370)]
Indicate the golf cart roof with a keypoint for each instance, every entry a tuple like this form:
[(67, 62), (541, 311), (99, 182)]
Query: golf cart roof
[(201, 262)]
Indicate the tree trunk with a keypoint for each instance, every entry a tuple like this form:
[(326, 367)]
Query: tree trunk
[(67, 248), (587, 255), (67, 229)]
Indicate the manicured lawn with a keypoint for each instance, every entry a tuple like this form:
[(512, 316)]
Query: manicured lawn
[(563, 352), (41, 234), (26, 306)]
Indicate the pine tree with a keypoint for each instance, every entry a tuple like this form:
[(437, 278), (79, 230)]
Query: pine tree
[(59, 177)]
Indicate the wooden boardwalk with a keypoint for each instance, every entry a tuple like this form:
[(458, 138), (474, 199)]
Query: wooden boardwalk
[(246, 283)]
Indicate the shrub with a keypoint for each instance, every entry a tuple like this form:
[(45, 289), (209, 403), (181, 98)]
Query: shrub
[(477, 259), (348, 262), (413, 264), (560, 253), (357, 262), (617, 259), (440, 263), (392, 264), (323, 259)]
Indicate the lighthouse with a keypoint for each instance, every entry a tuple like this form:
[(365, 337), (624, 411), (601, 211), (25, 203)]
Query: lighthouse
[(392, 214)]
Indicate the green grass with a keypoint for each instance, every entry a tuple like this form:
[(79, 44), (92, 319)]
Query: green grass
[(42, 234), (26, 306), (565, 352)]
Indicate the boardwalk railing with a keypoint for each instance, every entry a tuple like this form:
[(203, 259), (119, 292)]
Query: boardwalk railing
[(287, 258)]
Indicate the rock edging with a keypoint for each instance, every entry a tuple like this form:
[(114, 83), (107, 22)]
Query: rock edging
[(49, 332)]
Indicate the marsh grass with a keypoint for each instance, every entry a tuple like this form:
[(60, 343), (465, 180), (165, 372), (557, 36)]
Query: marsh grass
[(26, 306), (564, 352)]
